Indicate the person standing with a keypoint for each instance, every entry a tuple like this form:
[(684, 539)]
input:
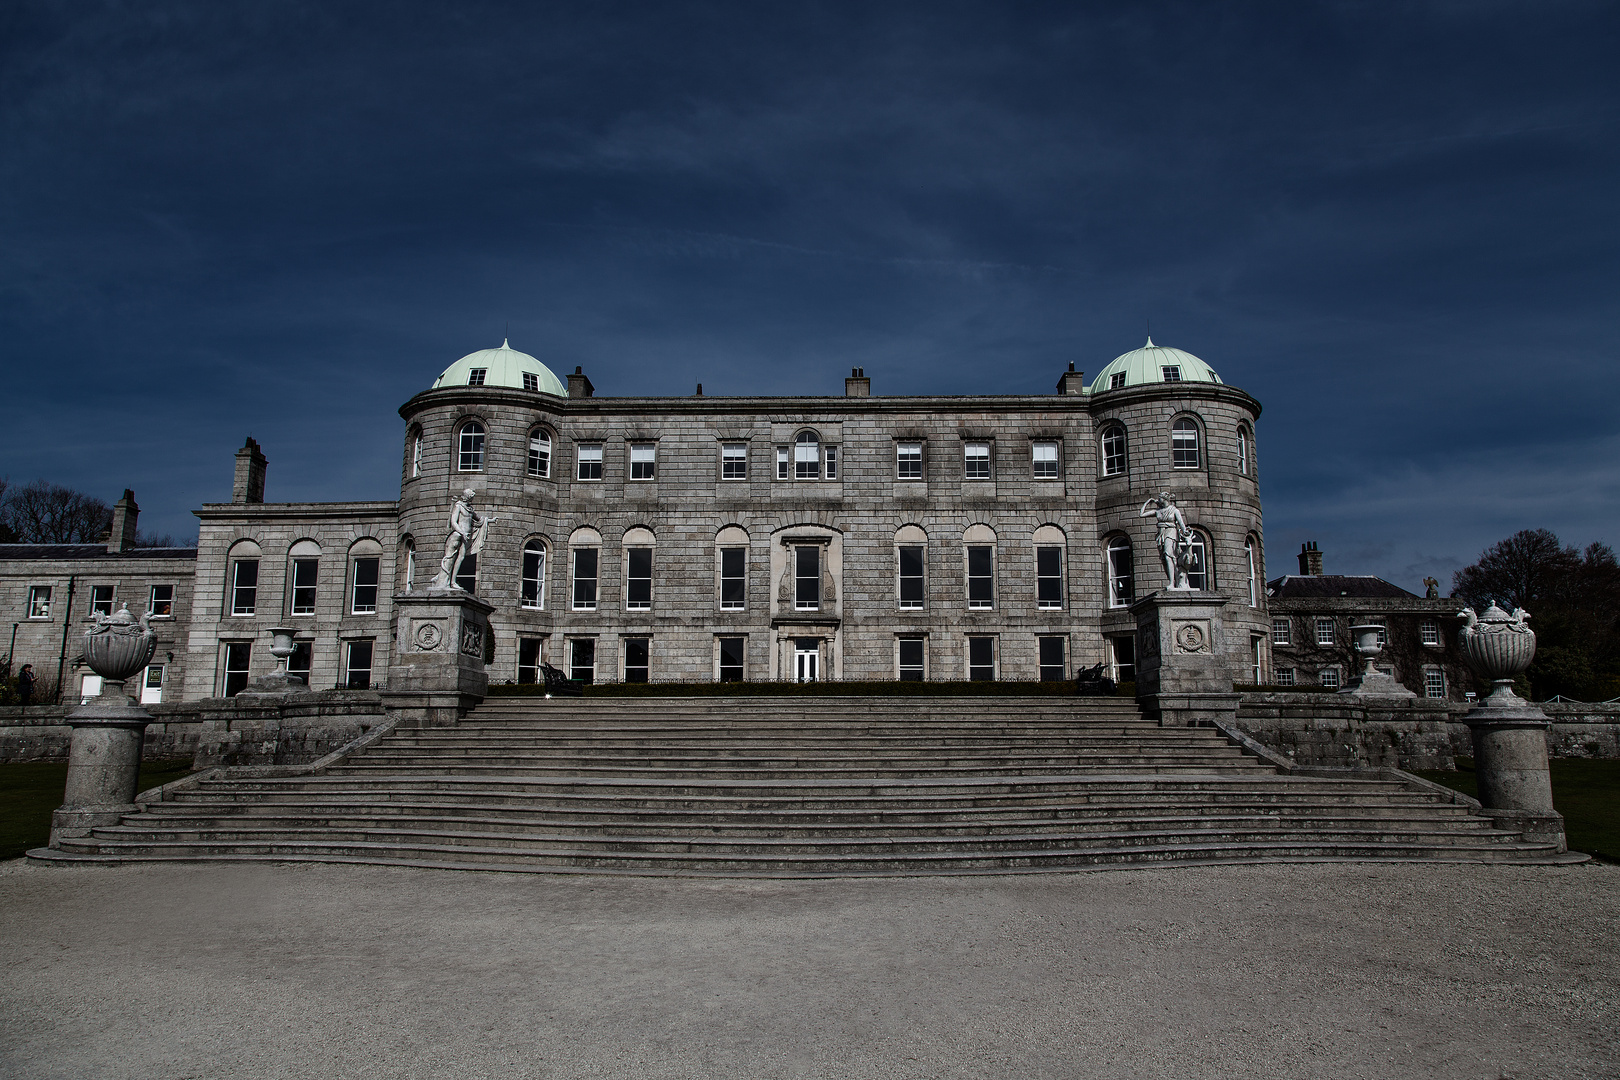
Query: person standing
[(25, 684)]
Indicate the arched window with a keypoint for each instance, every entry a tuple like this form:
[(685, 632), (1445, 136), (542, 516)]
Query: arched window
[(1113, 450), (731, 567), (1254, 571), (409, 562), (414, 448), (1050, 551), (638, 569), (585, 544), (1243, 449), (540, 454), (533, 591), (304, 573), (1121, 573), (365, 576), (1202, 574), (472, 447), (1184, 444), (911, 550), (807, 456), (979, 551)]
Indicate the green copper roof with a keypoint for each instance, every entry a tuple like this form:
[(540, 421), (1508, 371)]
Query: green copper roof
[(504, 366), (1148, 364)]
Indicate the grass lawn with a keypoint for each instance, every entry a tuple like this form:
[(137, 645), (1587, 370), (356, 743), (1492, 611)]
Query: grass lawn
[(1585, 791), (31, 790)]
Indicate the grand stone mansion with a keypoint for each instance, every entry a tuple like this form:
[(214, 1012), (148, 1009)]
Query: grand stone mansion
[(862, 537)]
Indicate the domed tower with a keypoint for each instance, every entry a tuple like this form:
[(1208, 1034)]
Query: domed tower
[(489, 423), (1165, 423)]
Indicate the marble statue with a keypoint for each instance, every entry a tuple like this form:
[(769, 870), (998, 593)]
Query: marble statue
[(1174, 541), (467, 531)]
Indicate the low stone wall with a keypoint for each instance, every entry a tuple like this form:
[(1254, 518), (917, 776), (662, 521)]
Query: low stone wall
[(1334, 730), (293, 730)]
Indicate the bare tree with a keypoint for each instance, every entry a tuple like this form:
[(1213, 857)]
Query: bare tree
[(1526, 570), (42, 513)]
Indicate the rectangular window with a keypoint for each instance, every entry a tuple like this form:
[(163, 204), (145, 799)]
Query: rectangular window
[(982, 659), (1434, 683), (238, 656), (585, 579), (366, 576), (582, 660), (531, 382), (1044, 458), (1324, 631), (1285, 676), (416, 456), (590, 460), (911, 659), (807, 578), (101, 600), (298, 662), (832, 462), (976, 460), (733, 578), (1053, 667), (781, 463), (734, 461), (1171, 372), (540, 455), (1122, 655), (1116, 381), (806, 460), (1282, 632), (528, 670), (471, 452), (161, 601), (475, 377), (303, 585), (357, 672), (908, 461), (467, 574), (731, 659), (643, 461), (1184, 445), (1430, 632), (1329, 678), (1113, 451), (638, 578), (532, 595), (1121, 574), (1257, 655), (244, 586), (981, 577), (1049, 578), (636, 650), (911, 578)]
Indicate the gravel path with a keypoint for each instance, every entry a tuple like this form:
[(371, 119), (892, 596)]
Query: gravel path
[(1332, 971)]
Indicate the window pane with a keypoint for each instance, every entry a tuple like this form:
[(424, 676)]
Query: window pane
[(981, 580), (359, 671), (1330, 678), (731, 659), (1049, 577), (528, 660), (1184, 444), (540, 455), (475, 377), (807, 578), (734, 461), (781, 463), (472, 448), (1285, 676), (976, 460), (981, 658), (806, 457), (911, 577), (832, 462), (638, 579), (908, 461), (636, 665), (1052, 666), (1434, 684), (305, 573), (585, 579), (590, 461), (1046, 461), (39, 602), (1281, 632), (1430, 632), (643, 461), (245, 587), (238, 657), (162, 601), (1324, 631), (1121, 574), (534, 576), (582, 659), (101, 600), (365, 586), (1113, 455), (911, 659), (733, 585), (1171, 372), (467, 574)]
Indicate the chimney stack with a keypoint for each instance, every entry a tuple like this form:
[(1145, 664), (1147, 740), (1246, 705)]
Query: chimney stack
[(125, 512), (579, 385), (1310, 560), (250, 463), (857, 385), (1072, 381)]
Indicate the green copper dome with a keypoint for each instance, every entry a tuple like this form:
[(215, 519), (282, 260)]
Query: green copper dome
[(1152, 364), (504, 367)]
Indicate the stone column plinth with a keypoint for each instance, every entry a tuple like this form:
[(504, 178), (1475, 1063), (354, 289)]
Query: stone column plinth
[(439, 641), (104, 763), (1510, 766), (1183, 660)]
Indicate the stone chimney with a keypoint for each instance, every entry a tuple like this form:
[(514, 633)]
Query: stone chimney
[(579, 385), (1310, 560), (1072, 381), (250, 463), (122, 537), (857, 385)]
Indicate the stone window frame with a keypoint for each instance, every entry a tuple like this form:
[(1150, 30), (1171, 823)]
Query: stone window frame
[(1245, 445), (910, 535), (720, 666), (472, 448), (1119, 542), (986, 462), (1105, 458), (977, 537), (1041, 666), (727, 460), (364, 551), (641, 456), (540, 463), (584, 539), (901, 668), (796, 551), (243, 552), (1179, 455), (735, 538), (301, 554), (1050, 537), (537, 546), (995, 655), (581, 460), (903, 466), (636, 539), (1035, 463), (39, 601), (625, 668), (798, 471)]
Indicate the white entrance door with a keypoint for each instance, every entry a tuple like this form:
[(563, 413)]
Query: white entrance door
[(152, 685), (806, 651)]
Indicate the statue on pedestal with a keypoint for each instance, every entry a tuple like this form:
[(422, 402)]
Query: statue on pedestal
[(467, 531), (1174, 541)]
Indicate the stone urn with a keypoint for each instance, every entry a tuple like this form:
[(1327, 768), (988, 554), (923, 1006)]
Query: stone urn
[(1371, 682), (118, 647), (1498, 646), (1367, 647), (279, 681)]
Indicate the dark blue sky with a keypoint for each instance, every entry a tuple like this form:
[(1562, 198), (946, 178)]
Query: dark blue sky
[(1395, 225)]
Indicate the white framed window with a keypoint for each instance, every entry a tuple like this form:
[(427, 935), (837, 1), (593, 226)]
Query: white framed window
[(1116, 381), (734, 461), (1282, 632), (471, 447), (235, 665), (1184, 444), (1121, 573), (160, 601), (1434, 683), (1199, 576), (1243, 449), (908, 461), (1113, 450), (1049, 578), (638, 578), (1254, 572), (416, 455), (782, 463), (807, 577), (1122, 657), (1050, 657), (39, 601), (976, 460), (637, 659), (912, 581), (531, 382), (475, 377), (1043, 456), (1284, 676), (363, 593), (732, 655), (1324, 631), (540, 454), (831, 456), (643, 461), (981, 659), (101, 600), (589, 458), (733, 578), (981, 577), (357, 664), (410, 564), (1257, 655), (532, 592), (807, 456), (305, 573), (582, 659), (1429, 632), (585, 571), (1329, 678), (912, 659), (244, 586), (528, 660), (1170, 372)]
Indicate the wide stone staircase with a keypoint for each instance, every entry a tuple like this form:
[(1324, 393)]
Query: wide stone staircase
[(805, 786)]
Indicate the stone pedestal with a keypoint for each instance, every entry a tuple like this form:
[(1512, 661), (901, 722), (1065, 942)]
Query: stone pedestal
[(439, 641), (1510, 765), (1183, 659), (104, 763)]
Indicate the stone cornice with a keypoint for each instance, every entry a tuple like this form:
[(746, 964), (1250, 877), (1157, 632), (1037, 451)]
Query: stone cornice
[(335, 511)]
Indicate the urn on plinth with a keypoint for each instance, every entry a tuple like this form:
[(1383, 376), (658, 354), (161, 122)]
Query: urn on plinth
[(279, 681), (1371, 682)]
